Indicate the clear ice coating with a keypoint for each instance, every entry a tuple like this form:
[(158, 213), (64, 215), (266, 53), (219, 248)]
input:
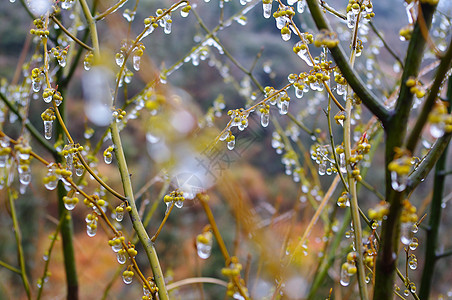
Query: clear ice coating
[(136, 62), (204, 248), (231, 144), (345, 277), (406, 233), (67, 4), (121, 257), (398, 182), (48, 129), (265, 119), (127, 278), (119, 59), (412, 262), (267, 8), (301, 5)]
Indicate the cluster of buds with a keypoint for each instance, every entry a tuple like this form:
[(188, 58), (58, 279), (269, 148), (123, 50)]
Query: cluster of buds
[(326, 38), (119, 211), (70, 202), (204, 243), (233, 271), (348, 268), (406, 32), (50, 94), (408, 220), (415, 87), (379, 212), (361, 149), (176, 197), (440, 120), (119, 114), (344, 200), (5, 151), (60, 55), (40, 29), (127, 275), (149, 293), (88, 60), (400, 167), (36, 79)]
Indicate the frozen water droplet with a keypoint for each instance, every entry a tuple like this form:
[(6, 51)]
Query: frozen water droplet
[(108, 159), (48, 129), (204, 245), (119, 215), (301, 5), (36, 85), (412, 262), (267, 8), (405, 233), (398, 182), (91, 229), (179, 204), (231, 144), (437, 130), (322, 168), (136, 62), (351, 19), (62, 61), (127, 278), (413, 244), (265, 119), (286, 36), (345, 278), (121, 257), (284, 107), (119, 58)]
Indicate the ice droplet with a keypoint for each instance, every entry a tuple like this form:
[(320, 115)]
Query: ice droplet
[(231, 144), (405, 233), (265, 119), (345, 278), (267, 8), (121, 257), (48, 129), (119, 59), (412, 262), (398, 182), (136, 62)]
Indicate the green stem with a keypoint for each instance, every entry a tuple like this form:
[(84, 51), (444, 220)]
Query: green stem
[(443, 68), (49, 253), (92, 28), (434, 217), (66, 230), (20, 251), (70, 34), (368, 98), (396, 130), (143, 236), (9, 267)]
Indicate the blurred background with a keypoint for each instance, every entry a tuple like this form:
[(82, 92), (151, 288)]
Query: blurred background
[(258, 208)]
